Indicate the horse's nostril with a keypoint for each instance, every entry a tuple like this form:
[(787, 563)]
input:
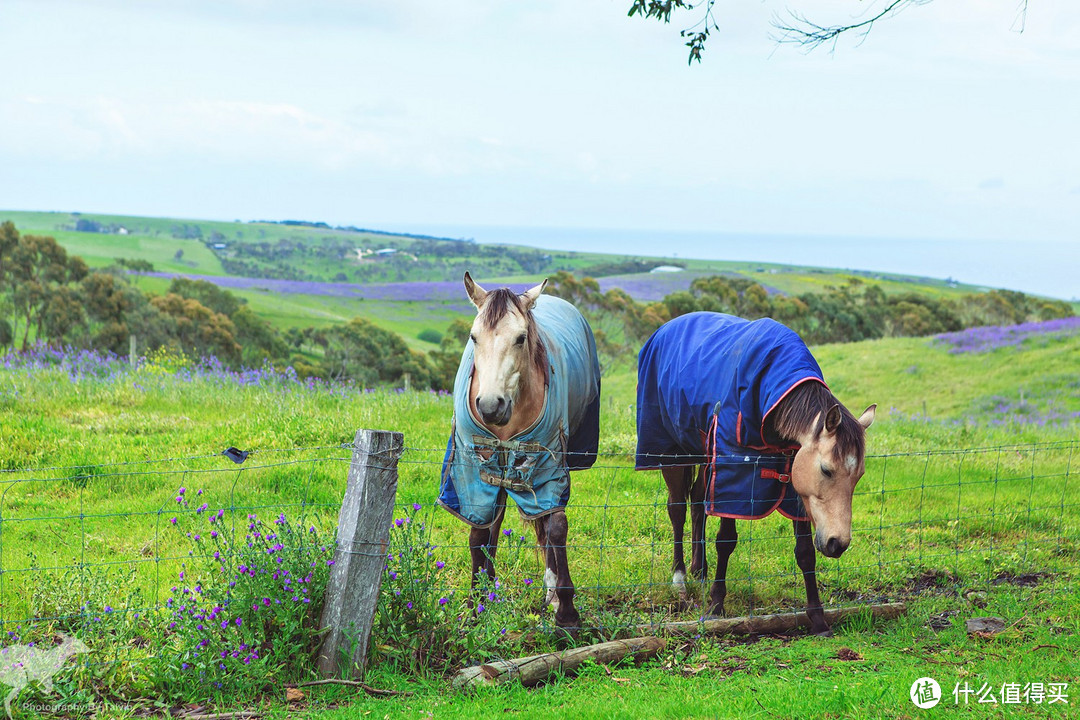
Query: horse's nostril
[(832, 547)]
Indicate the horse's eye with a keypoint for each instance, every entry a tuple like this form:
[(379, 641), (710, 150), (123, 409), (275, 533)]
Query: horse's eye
[(473, 338), (521, 339), (826, 471)]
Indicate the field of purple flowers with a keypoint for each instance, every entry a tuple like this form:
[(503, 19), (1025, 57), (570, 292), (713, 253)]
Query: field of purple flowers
[(992, 337)]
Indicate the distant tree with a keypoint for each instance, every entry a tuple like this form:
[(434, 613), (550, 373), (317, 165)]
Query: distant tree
[(430, 335), (199, 330), (39, 265), (9, 239), (259, 341), (446, 359), (217, 299), (84, 225), (63, 313), (367, 354)]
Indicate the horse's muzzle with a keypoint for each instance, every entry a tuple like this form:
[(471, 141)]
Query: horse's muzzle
[(832, 548), (495, 411)]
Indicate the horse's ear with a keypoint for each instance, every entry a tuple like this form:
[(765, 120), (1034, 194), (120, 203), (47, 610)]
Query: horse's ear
[(832, 419), (476, 293), (867, 418), (531, 294)]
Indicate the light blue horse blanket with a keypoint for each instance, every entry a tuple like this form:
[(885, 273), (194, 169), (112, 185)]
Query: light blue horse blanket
[(533, 467)]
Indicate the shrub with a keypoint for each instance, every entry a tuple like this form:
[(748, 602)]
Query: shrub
[(431, 336)]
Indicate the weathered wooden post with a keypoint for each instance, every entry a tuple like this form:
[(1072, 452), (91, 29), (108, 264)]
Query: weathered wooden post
[(363, 533), (132, 356)]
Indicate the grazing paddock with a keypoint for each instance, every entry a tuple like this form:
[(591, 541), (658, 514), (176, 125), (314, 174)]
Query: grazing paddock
[(941, 521), (958, 517)]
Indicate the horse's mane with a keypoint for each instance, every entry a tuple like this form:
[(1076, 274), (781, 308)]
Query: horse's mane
[(501, 301), (806, 405)]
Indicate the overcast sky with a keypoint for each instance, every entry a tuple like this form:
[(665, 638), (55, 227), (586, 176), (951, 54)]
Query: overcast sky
[(946, 122)]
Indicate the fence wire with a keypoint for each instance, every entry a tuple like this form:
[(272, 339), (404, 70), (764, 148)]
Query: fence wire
[(940, 522)]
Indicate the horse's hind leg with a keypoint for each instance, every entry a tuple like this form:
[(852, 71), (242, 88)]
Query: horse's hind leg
[(807, 561), (556, 529), (678, 481), (699, 563), (726, 540)]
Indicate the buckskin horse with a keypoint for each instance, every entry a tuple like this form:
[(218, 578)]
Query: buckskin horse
[(526, 413), (738, 418)]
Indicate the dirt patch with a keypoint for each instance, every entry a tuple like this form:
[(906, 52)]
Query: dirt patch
[(1021, 580), (847, 654), (932, 582)]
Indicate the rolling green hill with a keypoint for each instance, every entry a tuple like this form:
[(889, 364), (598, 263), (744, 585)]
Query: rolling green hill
[(314, 253)]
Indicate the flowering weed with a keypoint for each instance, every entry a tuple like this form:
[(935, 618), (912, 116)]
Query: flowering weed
[(243, 614)]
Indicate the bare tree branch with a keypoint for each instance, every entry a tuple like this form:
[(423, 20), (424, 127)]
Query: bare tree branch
[(798, 30)]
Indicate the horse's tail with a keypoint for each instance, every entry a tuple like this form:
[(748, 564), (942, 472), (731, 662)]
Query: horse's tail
[(537, 525)]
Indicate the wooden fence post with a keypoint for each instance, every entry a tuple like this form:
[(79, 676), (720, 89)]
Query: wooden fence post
[(363, 533)]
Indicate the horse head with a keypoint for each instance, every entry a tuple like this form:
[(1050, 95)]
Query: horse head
[(826, 468), (506, 350)]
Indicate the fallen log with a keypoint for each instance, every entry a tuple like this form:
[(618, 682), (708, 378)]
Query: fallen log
[(781, 622), (536, 668)]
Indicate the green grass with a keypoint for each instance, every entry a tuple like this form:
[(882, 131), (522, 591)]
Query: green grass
[(932, 524)]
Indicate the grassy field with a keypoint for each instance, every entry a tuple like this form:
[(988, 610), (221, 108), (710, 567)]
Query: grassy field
[(966, 509)]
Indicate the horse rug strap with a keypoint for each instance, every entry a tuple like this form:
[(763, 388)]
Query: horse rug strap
[(509, 463), (533, 468)]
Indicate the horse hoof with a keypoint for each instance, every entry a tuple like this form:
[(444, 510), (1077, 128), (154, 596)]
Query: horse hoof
[(567, 632), (822, 632)]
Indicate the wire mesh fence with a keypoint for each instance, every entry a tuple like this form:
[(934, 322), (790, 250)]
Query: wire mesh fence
[(94, 543)]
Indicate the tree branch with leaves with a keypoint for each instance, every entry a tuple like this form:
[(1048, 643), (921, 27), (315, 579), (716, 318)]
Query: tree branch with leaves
[(794, 29)]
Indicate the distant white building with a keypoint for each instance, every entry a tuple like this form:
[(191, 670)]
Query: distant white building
[(666, 268)]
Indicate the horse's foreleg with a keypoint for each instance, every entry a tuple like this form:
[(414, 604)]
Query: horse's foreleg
[(482, 552), (677, 480), (699, 562), (556, 529), (807, 561), (550, 564), (726, 540)]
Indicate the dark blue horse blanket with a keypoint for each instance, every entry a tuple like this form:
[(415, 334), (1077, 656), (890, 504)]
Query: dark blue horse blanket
[(706, 384), (479, 470)]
